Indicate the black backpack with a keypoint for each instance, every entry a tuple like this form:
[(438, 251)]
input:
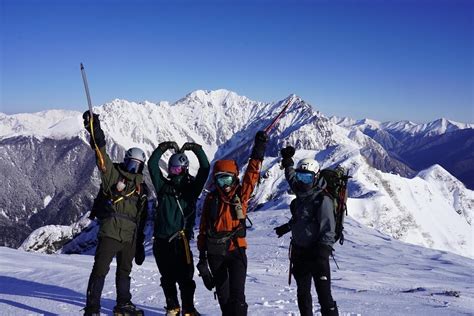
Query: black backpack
[(336, 188)]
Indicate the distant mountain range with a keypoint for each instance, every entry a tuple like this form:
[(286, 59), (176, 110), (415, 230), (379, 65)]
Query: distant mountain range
[(400, 186), (444, 142)]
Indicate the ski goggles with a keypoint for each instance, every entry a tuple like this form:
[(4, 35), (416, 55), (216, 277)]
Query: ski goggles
[(224, 179), (176, 170), (305, 177), (132, 165)]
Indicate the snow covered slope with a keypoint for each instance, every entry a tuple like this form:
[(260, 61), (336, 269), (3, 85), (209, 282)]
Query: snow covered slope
[(225, 124), (444, 142), (378, 276)]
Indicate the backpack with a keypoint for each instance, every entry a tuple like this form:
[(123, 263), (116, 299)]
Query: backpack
[(336, 188)]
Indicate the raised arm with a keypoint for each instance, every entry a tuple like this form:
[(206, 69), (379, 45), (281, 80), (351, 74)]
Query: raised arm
[(157, 177), (204, 167), (253, 168), (97, 142), (287, 162)]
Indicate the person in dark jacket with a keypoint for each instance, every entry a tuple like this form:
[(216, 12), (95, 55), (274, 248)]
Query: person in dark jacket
[(174, 222), (223, 218), (120, 208), (313, 230)]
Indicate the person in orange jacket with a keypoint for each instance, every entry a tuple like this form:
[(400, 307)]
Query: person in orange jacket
[(221, 240)]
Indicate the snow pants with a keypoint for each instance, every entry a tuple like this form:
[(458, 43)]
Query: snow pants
[(107, 249), (229, 273), (171, 260), (309, 266)]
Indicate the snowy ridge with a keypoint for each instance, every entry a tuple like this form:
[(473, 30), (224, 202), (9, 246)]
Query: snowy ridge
[(225, 124), (46, 124), (452, 190), (437, 127)]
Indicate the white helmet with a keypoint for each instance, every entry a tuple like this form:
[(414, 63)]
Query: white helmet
[(308, 164), (135, 153), (134, 160)]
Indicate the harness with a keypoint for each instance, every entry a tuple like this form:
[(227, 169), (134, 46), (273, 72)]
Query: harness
[(181, 233), (218, 242), (109, 202)]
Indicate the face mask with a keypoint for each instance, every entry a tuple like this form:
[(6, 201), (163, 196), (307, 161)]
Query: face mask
[(176, 170), (305, 177)]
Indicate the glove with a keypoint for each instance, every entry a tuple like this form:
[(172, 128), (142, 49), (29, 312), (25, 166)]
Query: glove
[(282, 230), (190, 146), (204, 271), (139, 254), (98, 136), (259, 146), (323, 250), (95, 122), (287, 153), (164, 146)]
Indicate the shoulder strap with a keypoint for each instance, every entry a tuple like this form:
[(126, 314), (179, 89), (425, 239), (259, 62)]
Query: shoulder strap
[(213, 210)]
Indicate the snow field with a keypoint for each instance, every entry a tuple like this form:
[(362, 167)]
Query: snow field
[(378, 276)]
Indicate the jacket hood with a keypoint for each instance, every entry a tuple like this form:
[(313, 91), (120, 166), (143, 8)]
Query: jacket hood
[(229, 166)]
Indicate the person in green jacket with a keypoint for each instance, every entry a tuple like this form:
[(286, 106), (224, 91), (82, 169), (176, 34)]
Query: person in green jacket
[(120, 208), (174, 222)]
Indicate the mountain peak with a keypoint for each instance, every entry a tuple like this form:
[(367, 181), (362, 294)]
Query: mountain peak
[(212, 96), (436, 171), (368, 123)]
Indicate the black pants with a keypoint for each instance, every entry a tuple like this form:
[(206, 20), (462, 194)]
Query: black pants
[(229, 274), (107, 249), (308, 266), (171, 260)]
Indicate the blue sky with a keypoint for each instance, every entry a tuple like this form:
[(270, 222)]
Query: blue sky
[(386, 60)]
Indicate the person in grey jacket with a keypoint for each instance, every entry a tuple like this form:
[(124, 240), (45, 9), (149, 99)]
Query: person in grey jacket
[(312, 227)]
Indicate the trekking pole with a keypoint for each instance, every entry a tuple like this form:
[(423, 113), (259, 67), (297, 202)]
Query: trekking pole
[(280, 115), (91, 120), (291, 265), (335, 261)]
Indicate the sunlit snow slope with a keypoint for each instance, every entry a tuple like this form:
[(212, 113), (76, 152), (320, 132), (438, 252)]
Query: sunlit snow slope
[(378, 276)]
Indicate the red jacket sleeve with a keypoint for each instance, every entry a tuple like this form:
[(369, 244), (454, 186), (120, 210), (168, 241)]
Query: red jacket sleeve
[(249, 182)]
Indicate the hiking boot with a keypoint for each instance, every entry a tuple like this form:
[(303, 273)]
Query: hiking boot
[(127, 309), (173, 311), (330, 311), (89, 313), (191, 313)]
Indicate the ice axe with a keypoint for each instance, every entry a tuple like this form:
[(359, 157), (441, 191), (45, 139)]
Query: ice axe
[(91, 119), (280, 115)]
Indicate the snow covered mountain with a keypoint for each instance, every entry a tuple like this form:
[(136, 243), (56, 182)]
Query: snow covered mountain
[(382, 196), (444, 142), (406, 128)]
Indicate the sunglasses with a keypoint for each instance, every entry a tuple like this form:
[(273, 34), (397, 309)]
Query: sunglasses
[(305, 177), (132, 165), (176, 170), (224, 180)]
